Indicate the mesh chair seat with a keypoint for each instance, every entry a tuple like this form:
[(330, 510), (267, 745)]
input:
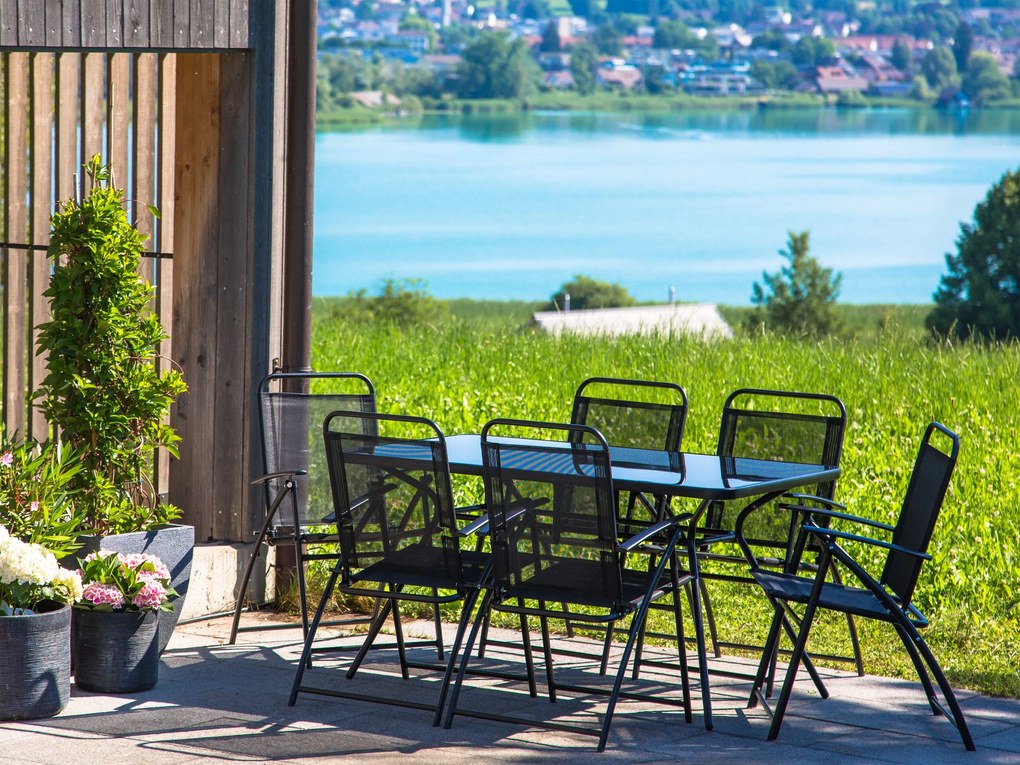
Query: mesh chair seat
[(834, 596), (406, 568), (565, 580)]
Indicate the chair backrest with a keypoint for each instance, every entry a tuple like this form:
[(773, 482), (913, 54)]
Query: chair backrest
[(292, 406), (561, 549), (641, 414), (390, 481), (778, 425), (921, 505)]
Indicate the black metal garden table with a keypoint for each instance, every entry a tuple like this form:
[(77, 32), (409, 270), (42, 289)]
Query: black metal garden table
[(704, 477)]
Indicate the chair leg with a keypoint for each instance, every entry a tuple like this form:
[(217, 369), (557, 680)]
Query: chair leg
[(437, 619), (606, 645), (248, 569), (529, 658), (465, 615), (299, 562), (398, 633), (373, 633), (480, 619), (550, 679), (710, 617), (851, 625), (306, 650), (681, 642), (791, 673), (920, 668), (766, 667)]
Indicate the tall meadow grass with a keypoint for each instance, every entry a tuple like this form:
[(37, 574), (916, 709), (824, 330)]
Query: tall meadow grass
[(462, 373)]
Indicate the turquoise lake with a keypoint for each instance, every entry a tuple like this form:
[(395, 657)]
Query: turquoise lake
[(510, 207)]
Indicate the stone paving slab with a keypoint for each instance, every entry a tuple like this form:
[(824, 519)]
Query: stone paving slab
[(216, 702)]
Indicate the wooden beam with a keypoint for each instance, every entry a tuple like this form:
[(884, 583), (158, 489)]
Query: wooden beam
[(15, 308), (165, 159), (43, 118)]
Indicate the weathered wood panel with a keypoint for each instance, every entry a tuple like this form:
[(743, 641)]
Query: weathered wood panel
[(132, 24), (43, 74), (67, 155), (118, 118), (93, 110), (15, 314), (233, 309), (196, 247)]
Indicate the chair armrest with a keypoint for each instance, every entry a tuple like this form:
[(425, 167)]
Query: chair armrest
[(826, 532), (842, 516), (277, 475), (647, 533), (515, 511), (801, 498), (469, 512)]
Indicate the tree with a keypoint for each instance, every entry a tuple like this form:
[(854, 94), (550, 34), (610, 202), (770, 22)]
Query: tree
[(963, 41), (983, 82), (583, 8), (775, 75), (901, 56), (586, 292), (772, 39), (494, 67), (980, 294), (800, 298), (939, 69), (813, 51), (608, 40), (583, 62), (674, 35), (550, 38)]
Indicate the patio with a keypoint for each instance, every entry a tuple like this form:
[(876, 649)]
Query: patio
[(220, 702)]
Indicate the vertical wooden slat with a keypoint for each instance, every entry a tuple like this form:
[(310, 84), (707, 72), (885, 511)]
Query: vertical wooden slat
[(195, 241), (93, 110), (43, 76), (118, 116), (31, 22), (144, 115), (202, 24), (15, 319), (68, 157), (93, 23), (161, 23), (231, 375), (114, 23), (221, 25), (71, 23), (165, 179), (54, 23), (136, 23), (240, 36), (8, 24), (182, 23)]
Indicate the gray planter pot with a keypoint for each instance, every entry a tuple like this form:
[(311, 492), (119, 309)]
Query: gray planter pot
[(173, 544), (115, 652), (35, 663)]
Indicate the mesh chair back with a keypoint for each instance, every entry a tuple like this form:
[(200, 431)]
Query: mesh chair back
[(929, 482), (392, 498), (640, 414), (562, 547), (292, 407), (778, 425)]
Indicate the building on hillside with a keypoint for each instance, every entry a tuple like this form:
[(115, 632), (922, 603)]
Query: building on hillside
[(833, 80), (622, 76), (702, 320)]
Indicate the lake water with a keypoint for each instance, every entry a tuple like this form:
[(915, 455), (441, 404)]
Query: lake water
[(510, 207)]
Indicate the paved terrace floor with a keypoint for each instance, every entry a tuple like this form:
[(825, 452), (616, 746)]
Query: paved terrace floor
[(223, 703)]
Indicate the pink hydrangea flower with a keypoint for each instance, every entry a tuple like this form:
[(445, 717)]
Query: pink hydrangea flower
[(100, 594), (151, 595), (7, 459)]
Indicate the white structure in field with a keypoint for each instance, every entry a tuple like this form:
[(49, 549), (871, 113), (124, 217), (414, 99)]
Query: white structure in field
[(701, 319)]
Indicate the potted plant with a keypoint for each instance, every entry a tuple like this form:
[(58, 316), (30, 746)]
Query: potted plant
[(35, 629), (114, 636), (103, 393)]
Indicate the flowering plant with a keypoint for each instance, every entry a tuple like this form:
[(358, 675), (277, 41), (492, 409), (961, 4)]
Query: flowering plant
[(37, 503), (30, 574), (119, 582)]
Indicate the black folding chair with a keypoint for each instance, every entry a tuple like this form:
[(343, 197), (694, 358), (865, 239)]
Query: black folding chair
[(299, 510), (398, 535), (887, 598), (556, 553), (779, 425)]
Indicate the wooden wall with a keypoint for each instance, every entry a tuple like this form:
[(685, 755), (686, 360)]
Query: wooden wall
[(138, 24), (195, 126)]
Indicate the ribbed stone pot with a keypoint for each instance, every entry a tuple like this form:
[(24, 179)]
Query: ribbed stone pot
[(35, 663), (173, 544), (115, 652)]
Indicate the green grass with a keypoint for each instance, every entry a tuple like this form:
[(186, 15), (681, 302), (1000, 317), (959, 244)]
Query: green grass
[(471, 367)]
